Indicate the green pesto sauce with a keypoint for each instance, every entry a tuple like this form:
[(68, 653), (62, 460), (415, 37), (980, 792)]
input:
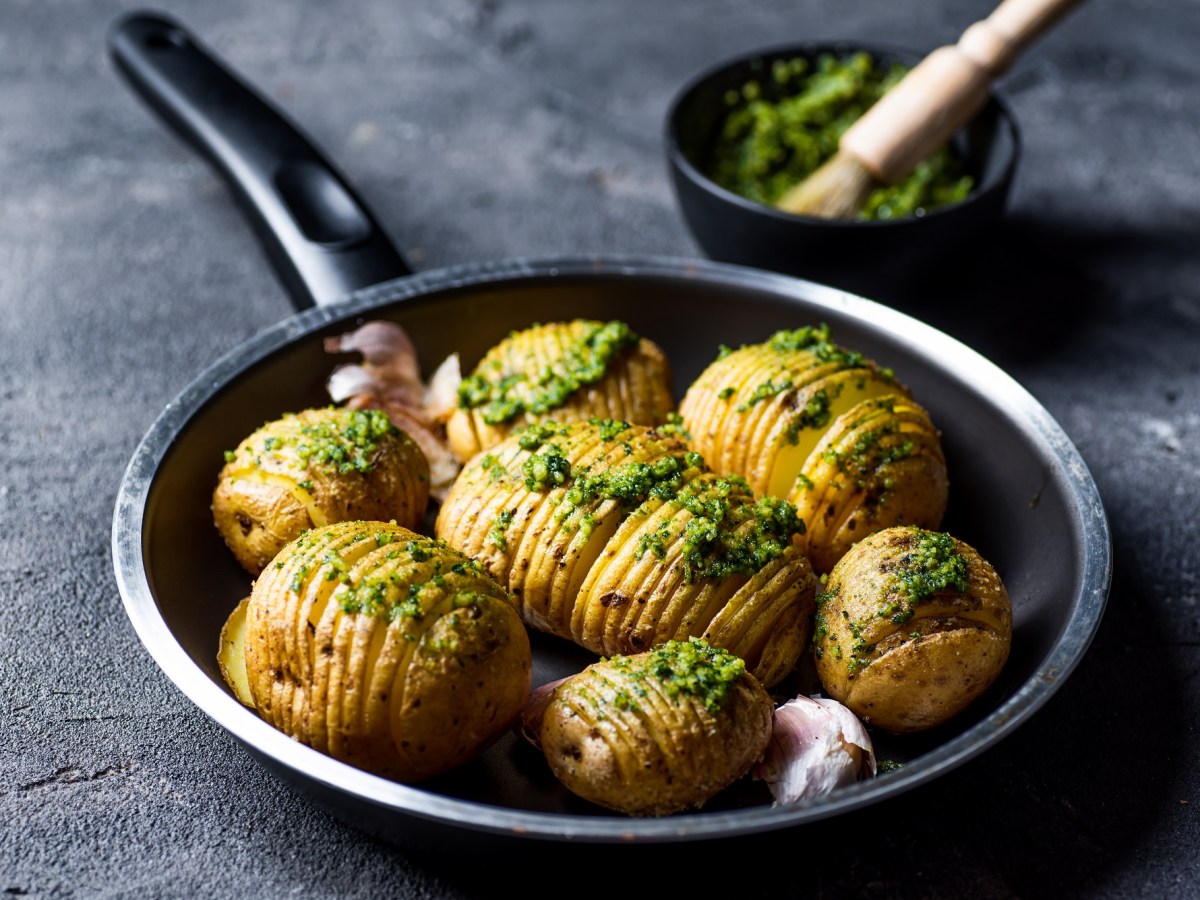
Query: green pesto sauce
[(692, 668), (348, 446), (816, 413), (815, 339), (764, 391), (345, 444), (633, 483), (780, 127), (716, 541), (585, 361), (497, 535), (546, 469), (931, 565), (395, 594)]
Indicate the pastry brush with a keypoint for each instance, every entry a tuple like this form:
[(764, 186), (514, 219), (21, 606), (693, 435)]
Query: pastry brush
[(920, 113)]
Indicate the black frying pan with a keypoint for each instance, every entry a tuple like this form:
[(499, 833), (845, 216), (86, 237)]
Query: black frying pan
[(1019, 489)]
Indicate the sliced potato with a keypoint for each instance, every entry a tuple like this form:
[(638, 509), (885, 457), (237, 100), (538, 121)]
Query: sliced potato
[(655, 733), (231, 653), (801, 417), (759, 411), (315, 468), (694, 565), (880, 464), (912, 627), (385, 649), (616, 536), (567, 371), (513, 508)]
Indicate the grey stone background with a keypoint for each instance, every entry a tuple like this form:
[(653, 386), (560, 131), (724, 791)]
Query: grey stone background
[(484, 129)]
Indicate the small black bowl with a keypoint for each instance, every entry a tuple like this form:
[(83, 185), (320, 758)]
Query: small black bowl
[(881, 259)]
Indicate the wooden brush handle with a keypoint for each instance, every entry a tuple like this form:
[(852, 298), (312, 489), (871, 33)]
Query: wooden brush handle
[(945, 90)]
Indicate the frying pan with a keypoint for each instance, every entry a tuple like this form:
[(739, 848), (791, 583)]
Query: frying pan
[(1019, 490)]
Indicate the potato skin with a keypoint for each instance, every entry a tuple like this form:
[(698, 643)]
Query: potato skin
[(635, 386), (273, 487), (385, 649), (619, 734), (899, 644)]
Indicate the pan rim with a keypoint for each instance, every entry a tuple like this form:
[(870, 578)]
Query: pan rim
[(973, 369)]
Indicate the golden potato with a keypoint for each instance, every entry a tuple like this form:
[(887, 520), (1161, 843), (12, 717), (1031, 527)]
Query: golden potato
[(385, 649), (912, 627), (315, 468), (568, 371), (792, 414), (616, 536), (231, 653), (658, 732), (879, 464)]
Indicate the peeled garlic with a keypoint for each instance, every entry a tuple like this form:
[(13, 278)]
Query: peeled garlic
[(817, 745)]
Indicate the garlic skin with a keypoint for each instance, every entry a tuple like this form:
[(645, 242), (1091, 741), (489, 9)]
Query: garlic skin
[(389, 379), (817, 745), (529, 725)]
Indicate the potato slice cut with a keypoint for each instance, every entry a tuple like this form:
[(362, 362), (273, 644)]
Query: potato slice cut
[(658, 732), (759, 411), (879, 464), (231, 653), (567, 371), (709, 562), (530, 512), (385, 649)]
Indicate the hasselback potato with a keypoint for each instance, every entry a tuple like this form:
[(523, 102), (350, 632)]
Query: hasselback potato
[(314, 468), (383, 648), (800, 417), (878, 464), (912, 626), (658, 732), (617, 537), (567, 371)]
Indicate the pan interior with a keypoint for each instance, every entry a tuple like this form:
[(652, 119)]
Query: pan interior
[(1009, 496)]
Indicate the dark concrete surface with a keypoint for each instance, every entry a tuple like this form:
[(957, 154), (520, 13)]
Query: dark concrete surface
[(483, 129)]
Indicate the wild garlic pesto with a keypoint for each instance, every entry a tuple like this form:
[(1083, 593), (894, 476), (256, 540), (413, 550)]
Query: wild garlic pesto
[(782, 126), (930, 564), (691, 668), (503, 395), (346, 442), (729, 531), (927, 564)]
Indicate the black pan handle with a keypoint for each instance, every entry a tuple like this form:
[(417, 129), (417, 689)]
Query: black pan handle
[(319, 236)]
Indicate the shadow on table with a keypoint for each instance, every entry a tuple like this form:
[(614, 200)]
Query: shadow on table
[(1024, 296)]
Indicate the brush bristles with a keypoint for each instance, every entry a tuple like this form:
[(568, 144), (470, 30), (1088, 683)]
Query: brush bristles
[(836, 190)]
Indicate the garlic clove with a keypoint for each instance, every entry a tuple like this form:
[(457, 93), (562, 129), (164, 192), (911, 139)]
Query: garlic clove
[(529, 725), (389, 379), (817, 745)]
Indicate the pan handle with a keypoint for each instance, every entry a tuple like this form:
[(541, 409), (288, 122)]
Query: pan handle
[(319, 236)]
